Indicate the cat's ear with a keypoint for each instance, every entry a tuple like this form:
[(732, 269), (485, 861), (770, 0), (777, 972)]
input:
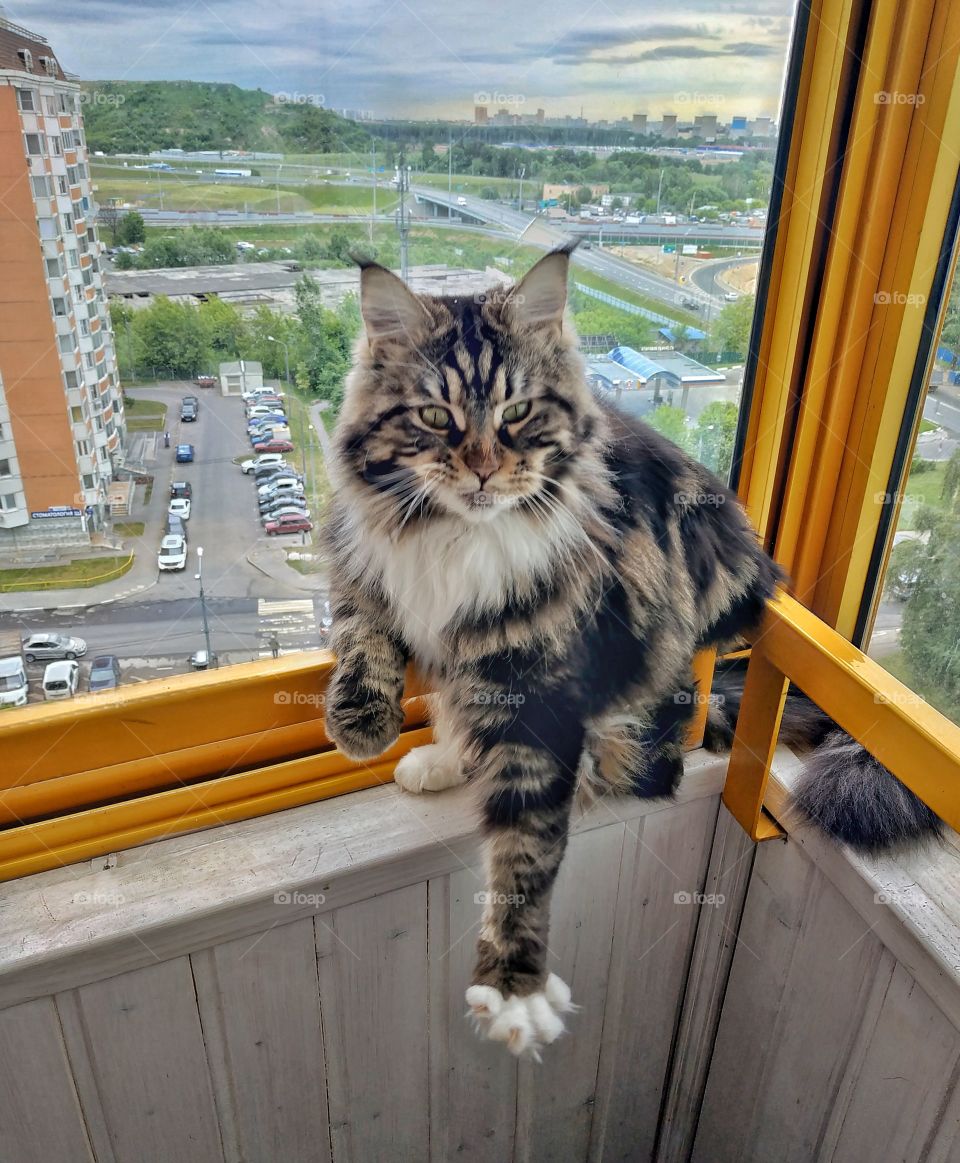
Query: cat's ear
[(539, 298), (389, 308)]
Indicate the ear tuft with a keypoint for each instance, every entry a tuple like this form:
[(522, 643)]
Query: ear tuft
[(388, 307), (539, 298)]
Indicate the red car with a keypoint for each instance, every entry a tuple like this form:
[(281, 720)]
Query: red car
[(205, 381), (273, 446), (289, 523)]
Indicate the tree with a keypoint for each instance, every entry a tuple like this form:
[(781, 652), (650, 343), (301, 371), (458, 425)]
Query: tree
[(223, 328), (109, 217), (132, 229), (169, 338), (731, 331), (583, 195), (714, 436), (672, 423)]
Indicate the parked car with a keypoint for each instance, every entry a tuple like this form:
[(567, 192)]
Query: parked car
[(61, 679), (175, 527), (184, 453), (258, 410), (259, 461), (181, 489), (173, 552), (105, 673), (38, 647), (291, 509), (273, 446), (269, 478), (270, 401), (192, 401), (188, 412), (290, 484), (731, 296), (199, 660), (270, 418), (180, 507), (257, 392), (288, 523), (283, 501), (206, 381)]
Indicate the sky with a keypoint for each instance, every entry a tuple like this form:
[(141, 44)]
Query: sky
[(429, 58)]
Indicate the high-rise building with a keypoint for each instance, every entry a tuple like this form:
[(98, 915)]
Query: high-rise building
[(668, 127), (480, 115), (705, 125), (639, 123), (61, 409)]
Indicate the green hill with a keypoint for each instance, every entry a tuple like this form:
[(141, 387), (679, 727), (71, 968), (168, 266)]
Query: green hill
[(139, 116)]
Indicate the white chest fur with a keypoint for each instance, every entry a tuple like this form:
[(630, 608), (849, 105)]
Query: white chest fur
[(450, 567)]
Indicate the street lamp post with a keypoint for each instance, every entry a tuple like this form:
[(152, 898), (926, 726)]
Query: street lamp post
[(286, 355), (203, 604)]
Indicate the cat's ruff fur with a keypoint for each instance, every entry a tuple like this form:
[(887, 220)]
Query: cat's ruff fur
[(553, 567)]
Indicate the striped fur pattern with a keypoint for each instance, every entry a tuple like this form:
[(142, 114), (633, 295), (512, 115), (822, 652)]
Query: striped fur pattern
[(552, 565)]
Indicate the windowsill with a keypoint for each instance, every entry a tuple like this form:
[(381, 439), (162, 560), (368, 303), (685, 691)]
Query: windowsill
[(65, 927)]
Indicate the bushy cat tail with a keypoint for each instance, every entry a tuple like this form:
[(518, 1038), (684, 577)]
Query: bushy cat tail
[(843, 789)]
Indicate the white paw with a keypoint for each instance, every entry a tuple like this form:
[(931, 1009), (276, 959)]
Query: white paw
[(524, 1023), (430, 768)]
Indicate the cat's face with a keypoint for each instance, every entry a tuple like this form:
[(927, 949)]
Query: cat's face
[(466, 406)]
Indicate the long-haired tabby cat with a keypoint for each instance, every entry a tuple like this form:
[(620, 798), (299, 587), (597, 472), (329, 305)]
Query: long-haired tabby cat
[(550, 564)]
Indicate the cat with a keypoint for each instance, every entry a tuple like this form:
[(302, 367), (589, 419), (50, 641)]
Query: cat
[(550, 565)]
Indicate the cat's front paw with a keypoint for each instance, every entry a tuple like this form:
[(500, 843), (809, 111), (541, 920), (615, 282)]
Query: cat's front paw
[(429, 768), (524, 1024), (361, 721)]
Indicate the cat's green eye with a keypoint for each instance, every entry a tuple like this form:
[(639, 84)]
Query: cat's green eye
[(515, 412), (435, 417)]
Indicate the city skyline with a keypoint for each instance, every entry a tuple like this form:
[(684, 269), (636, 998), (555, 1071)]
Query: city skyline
[(428, 61)]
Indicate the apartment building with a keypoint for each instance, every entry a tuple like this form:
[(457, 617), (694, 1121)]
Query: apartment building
[(61, 409)]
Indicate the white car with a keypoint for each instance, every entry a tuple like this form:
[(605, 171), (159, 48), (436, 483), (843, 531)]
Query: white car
[(180, 507), (261, 461), (281, 484), (61, 679), (461, 201), (173, 552)]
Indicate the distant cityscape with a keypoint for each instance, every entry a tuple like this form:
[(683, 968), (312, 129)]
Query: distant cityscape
[(704, 127)]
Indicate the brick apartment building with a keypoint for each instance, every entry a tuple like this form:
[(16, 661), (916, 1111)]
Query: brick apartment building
[(61, 409)]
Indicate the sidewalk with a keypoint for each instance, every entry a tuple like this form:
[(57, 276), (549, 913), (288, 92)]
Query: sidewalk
[(270, 558)]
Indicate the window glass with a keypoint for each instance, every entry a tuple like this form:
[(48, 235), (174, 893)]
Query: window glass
[(916, 632), (652, 140)]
